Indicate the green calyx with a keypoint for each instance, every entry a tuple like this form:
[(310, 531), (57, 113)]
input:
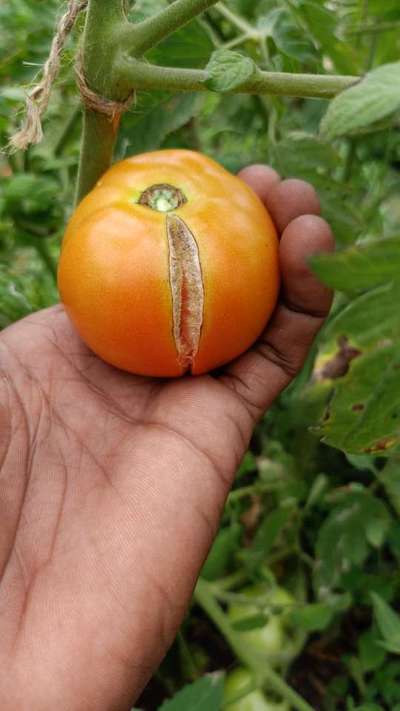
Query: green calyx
[(162, 198)]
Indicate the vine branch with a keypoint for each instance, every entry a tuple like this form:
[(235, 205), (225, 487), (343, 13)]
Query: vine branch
[(145, 35), (140, 75), (203, 596)]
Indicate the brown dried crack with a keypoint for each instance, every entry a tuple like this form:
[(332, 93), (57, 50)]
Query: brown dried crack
[(186, 288)]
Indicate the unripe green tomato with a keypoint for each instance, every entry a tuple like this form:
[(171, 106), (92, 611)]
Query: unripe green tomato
[(272, 642), (236, 684)]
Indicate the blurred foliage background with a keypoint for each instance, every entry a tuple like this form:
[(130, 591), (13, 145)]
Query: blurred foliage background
[(305, 568)]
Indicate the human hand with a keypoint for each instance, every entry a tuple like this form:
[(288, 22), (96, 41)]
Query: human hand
[(112, 485)]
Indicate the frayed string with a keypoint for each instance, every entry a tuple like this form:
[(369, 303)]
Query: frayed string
[(38, 98)]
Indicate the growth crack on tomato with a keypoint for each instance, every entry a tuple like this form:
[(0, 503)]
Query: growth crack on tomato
[(187, 289), (184, 271), (170, 265)]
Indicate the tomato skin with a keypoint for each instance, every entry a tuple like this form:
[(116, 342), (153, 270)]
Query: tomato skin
[(274, 642), (114, 271)]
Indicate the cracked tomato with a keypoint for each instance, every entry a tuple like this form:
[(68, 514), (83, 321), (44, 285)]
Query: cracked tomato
[(169, 265)]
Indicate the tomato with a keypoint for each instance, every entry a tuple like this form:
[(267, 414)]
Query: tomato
[(236, 698), (275, 642), (169, 265)]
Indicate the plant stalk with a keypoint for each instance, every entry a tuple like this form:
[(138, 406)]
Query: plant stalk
[(235, 20), (145, 35), (103, 24), (204, 597), (151, 77)]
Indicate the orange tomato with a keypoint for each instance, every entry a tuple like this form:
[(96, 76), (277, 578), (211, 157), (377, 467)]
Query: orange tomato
[(169, 265)]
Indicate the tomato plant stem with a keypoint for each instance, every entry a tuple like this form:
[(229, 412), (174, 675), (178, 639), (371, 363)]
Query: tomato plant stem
[(98, 140), (145, 35), (150, 77), (103, 23), (235, 20), (111, 69), (204, 596)]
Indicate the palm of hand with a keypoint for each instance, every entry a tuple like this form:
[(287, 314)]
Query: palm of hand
[(111, 487), (107, 454)]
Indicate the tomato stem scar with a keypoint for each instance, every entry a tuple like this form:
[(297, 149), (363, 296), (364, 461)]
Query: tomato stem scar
[(162, 198)]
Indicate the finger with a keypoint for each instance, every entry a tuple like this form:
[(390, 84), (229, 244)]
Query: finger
[(301, 290), (290, 199), (259, 375), (261, 178), (285, 200)]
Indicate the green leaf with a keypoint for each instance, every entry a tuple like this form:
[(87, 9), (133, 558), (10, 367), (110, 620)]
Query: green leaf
[(371, 654), (156, 115), (222, 551), (321, 24), (363, 415), (374, 98), (301, 154), (288, 36), (390, 478), (314, 617), (24, 291), (360, 267), (346, 535), (362, 462), (266, 536), (205, 694), (189, 47), (248, 464), (388, 622), (229, 70), (371, 320), (252, 622)]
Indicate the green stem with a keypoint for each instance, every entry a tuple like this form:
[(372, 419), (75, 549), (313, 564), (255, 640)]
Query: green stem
[(104, 20), (204, 597), (98, 141), (134, 73), (265, 51), (235, 20), (208, 27), (187, 657), (236, 41), (145, 35), (231, 581)]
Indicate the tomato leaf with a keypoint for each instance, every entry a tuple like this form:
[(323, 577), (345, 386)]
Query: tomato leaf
[(359, 521), (317, 616), (371, 654), (363, 418), (361, 267), (266, 536), (374, 98), (390, 479), (222, 551), (228, 70), (205, 694), (252, 622), (388, 622)]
